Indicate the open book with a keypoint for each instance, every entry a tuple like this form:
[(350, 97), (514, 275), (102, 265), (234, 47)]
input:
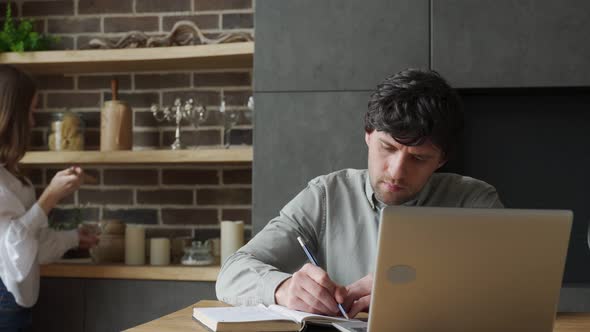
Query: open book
[(258, 318)]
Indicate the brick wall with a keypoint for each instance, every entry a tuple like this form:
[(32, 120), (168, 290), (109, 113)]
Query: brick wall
[(171, 200)]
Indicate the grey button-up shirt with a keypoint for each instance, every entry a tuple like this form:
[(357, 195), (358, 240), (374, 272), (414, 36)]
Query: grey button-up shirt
[(338, 215)]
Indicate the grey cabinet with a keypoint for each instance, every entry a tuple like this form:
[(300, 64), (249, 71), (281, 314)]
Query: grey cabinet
[(88, 305), (310, 45), (301, 135), (511, 43)]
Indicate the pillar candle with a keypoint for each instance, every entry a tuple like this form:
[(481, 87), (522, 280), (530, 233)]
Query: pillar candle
[(232, 238), (134, 245), (160, 251)]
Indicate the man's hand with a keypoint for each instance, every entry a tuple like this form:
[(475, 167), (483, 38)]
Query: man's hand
[(359, 295), (311, 290), (87, 239)]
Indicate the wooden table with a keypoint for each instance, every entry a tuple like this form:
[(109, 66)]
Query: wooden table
[(181, 321)]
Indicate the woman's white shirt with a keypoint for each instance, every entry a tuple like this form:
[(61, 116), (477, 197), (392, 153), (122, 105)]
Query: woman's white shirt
[(25, 239)]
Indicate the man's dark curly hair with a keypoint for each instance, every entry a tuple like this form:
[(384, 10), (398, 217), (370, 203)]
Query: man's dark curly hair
[(414, 105)]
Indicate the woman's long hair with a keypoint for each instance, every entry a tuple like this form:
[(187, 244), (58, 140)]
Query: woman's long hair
[(17, 91)]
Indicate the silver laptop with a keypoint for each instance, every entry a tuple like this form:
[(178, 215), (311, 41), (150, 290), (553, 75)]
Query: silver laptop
[(452, 269)]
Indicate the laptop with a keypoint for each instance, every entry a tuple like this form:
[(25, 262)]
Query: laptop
[(455, 269)]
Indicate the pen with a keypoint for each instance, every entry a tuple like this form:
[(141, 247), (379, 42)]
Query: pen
[(315, 262)]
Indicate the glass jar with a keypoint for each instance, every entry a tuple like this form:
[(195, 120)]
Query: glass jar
[(67, 132), (198, 254)]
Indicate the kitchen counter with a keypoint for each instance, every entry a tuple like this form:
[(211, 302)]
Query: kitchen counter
[(122, 271), (182, 321)]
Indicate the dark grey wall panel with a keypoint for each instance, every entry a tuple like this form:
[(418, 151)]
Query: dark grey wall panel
[(308, 45), (115, 305), (507, 43), (60, 307), (299, 136)]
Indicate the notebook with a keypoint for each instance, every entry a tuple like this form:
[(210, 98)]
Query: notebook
[(259, 318)]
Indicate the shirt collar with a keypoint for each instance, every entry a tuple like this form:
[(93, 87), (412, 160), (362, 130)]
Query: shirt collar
[(375, 204)]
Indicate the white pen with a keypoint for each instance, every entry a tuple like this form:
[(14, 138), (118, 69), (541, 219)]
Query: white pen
[(315, 262)]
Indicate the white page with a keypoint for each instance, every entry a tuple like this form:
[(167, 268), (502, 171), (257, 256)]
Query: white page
[(240, 314), (300, 316)]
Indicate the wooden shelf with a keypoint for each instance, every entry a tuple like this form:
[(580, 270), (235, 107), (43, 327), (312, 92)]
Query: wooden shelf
[(230, 55), (209, 156), (121, 271)]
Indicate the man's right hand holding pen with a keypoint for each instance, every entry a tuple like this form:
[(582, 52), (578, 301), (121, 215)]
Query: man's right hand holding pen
[(311, 290)]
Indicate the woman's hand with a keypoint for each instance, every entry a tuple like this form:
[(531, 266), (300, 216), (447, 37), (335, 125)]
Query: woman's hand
[(62, 185)]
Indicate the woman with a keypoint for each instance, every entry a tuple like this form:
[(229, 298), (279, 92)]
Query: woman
[(25, 240)]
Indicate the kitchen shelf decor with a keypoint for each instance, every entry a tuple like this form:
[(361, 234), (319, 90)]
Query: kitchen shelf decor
[(215, 56), (212, 156)]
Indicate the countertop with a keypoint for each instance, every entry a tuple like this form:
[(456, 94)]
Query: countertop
[(122, 271), (181, 321)]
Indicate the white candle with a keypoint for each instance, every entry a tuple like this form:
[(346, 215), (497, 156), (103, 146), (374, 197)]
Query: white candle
[(160, 251), (134, 245), (232, 238)]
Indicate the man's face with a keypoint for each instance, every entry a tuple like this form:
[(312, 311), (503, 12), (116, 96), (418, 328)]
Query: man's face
[(398, 172)]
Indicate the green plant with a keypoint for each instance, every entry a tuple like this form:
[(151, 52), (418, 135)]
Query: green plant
[(22, 38)]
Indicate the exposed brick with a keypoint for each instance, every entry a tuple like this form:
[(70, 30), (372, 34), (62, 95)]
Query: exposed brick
[(67, 200), (165, 196), (237, 176), (142, 99), (73, 25), (240, 137), (91, 140), (207, 98), (222, 79), (135, 216), (105, 196), (204, 22), (225, 196), (72, 214), (244, 215), (189, 176), (38, 140), (194, 138), (91, 119), (146, 139), (201, 5), (128, 176), (104, 82), (206, 234), (162, 6), (237, 21), (54, 82), (73, 99), (145, 119), (189, 216), (35, 175), (13, 10), (48, 8), (167, 232), (64, 43), (43, 119), (237, 98), (105, 6), (162, 81), (125, 24)]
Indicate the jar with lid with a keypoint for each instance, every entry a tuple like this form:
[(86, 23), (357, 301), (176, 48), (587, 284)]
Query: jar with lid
[(67, 132), (199, 253)]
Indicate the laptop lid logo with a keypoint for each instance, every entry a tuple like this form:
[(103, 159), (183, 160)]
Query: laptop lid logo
[(401, 274)]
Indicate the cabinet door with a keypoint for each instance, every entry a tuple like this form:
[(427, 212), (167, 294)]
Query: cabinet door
[(116, 305), (60, 306), (308, 45), (507, 43), (301, 135)]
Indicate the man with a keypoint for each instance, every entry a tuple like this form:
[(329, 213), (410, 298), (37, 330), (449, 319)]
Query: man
[(413, 121)]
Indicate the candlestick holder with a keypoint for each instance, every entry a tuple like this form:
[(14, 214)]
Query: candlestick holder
[(177, 113)]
